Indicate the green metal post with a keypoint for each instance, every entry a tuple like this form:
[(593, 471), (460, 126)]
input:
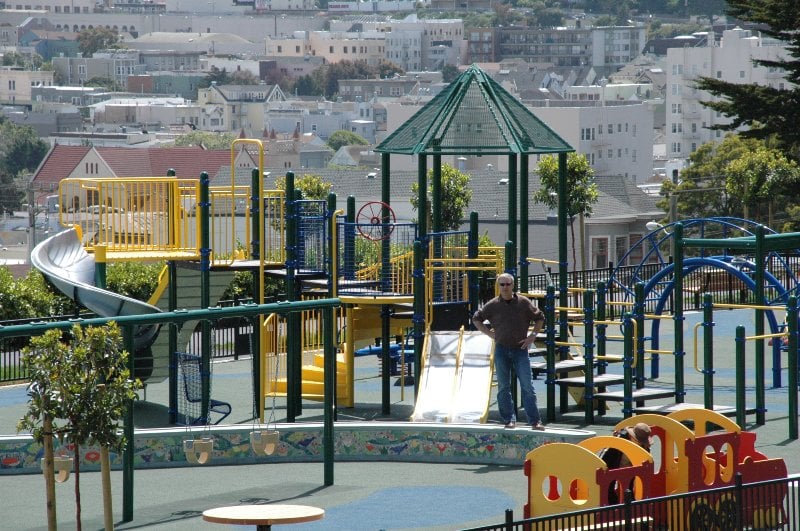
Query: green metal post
[(419, 308), (386, 264), (100, 265), (332, 247), (791, 328), (588, 355), (293, 370), (330, 393), (512, 213), (600, 315), (255, 209), (128, 429), (550, 342), (350, 239), (422, 199), (436, 195), (472, 252), (563, 260), (205, 294), (256, 218), (708, 351), (758, 277), (741, 406), (334, 267), (508, 259), (523, 223), (386, 377), (677, 316), (638, 315), (172, 271), (627, 364)]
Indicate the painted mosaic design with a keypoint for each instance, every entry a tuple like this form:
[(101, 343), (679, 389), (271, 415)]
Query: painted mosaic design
[(303, 442)]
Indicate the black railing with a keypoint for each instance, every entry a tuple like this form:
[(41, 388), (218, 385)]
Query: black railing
[(11, 369), (231, 338), (773, 504)]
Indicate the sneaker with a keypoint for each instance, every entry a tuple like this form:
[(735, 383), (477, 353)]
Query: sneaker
[(538, 426), (511, 424)]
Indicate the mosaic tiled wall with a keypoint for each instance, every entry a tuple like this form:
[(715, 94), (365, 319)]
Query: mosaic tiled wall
[(369, 441)]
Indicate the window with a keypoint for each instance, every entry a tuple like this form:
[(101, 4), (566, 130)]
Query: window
[(610, 129), (637, 252), (620, 248), (741, 74), (599, 247)]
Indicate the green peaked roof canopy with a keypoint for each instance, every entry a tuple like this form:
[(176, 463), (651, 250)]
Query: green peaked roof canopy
[(474, 115)]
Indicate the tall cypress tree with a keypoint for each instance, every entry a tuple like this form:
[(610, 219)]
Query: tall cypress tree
[(767, 112)]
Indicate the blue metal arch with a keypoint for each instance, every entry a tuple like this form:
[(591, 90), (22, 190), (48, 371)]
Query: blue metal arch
[(719, 262)]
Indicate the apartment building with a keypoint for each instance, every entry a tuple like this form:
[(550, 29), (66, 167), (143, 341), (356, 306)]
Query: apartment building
[(615, 136), (236, 107), (731, 59), (111, 65), (611, 46), (54, 6), (16, 84)]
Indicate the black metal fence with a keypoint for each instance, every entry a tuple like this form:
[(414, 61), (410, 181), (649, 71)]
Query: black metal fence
[(231, 338), (773, 504)]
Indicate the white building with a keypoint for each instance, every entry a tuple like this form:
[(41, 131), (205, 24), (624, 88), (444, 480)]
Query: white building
[(688, 121), (616, 139)]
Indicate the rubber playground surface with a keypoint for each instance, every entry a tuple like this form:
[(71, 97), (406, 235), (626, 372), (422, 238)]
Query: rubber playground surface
[(368, 496)]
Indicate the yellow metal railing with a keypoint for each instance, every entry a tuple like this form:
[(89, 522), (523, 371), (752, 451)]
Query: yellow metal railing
[(446, 279), (402, 267), (140, 218)]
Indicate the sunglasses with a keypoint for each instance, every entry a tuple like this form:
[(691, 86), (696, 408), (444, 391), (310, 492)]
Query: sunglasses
[(504, 283)]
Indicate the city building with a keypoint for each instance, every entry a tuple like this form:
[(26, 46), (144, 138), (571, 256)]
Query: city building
[(16, 84), (688, 122)]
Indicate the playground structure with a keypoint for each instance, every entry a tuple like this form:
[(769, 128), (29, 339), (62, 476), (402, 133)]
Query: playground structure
[(645, 293), (380, 299), (391, 279), (564, 477)]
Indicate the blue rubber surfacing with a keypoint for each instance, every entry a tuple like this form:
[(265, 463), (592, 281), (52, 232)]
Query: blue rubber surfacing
[(415, 508)]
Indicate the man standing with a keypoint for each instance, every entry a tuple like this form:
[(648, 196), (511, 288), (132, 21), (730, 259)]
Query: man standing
[(509, 317)]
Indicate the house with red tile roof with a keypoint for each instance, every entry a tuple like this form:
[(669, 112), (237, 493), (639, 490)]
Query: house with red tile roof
[(98, 162)]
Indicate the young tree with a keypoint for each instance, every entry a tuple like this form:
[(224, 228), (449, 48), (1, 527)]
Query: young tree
[(80, 389), (93, 39), (310, 185), (207, 139), (582, 191), (734, 177), (449, 73), (765, 111), (456, 196), (345, 138)]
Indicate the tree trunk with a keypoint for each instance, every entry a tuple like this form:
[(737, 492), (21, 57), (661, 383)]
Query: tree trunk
[(105, 471), (78, 526), (49, 473)]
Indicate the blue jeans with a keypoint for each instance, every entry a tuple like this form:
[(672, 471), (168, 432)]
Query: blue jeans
[(506, 359)]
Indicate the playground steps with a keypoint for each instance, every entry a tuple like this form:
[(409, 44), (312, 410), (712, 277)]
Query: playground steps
[(312, 386), (638, 395), (728, 411), (599, 380)]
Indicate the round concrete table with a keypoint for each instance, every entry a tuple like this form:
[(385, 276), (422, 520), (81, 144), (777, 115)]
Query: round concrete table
[(263, 516)]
